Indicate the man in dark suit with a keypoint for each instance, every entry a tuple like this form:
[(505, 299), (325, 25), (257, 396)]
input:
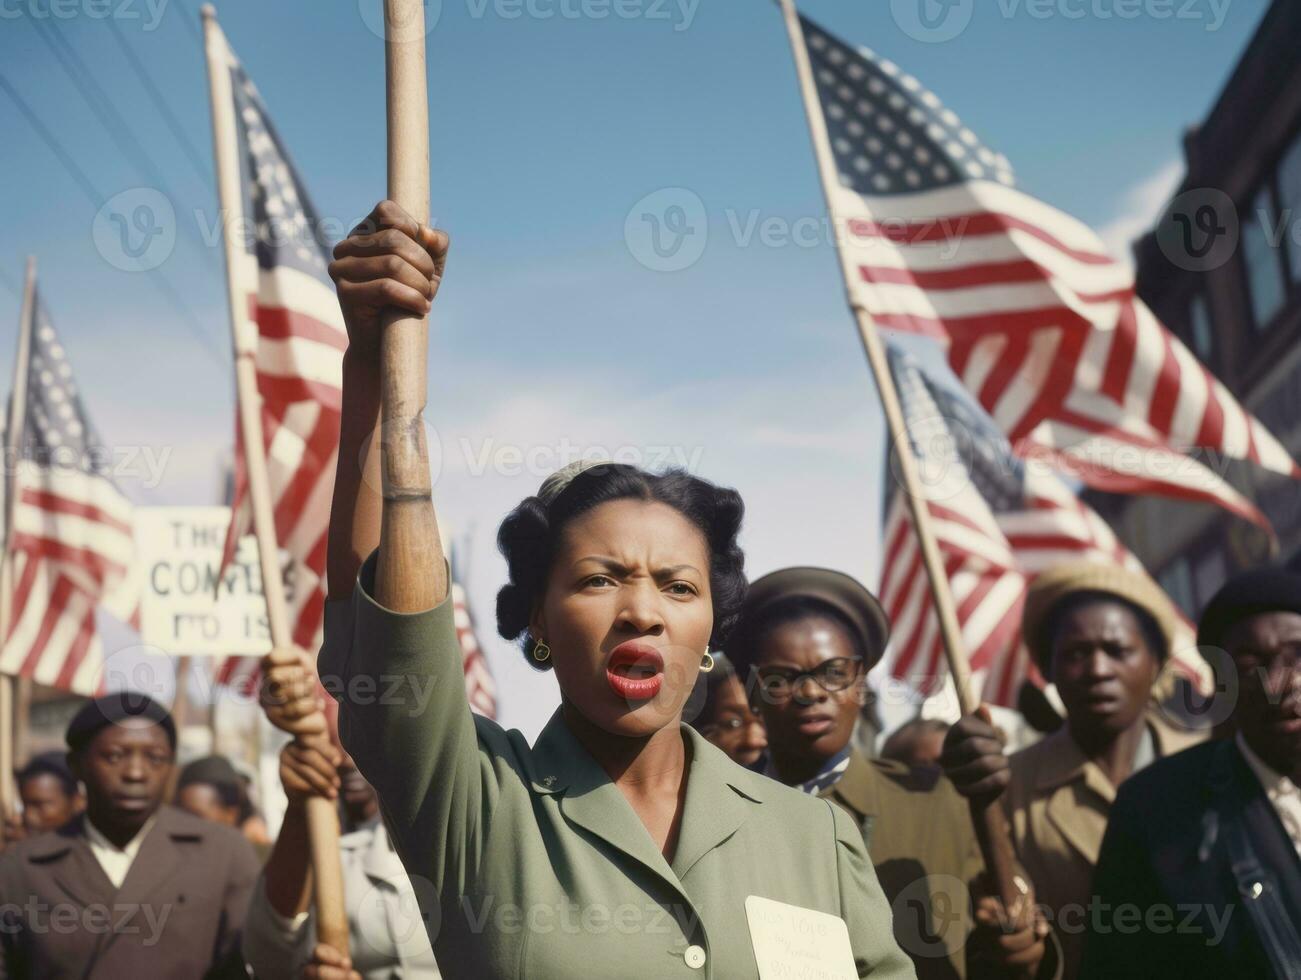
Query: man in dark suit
[(1200, 870), (129, 888)]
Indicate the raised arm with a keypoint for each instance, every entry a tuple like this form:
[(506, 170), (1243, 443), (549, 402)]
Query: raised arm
[(387, 262)]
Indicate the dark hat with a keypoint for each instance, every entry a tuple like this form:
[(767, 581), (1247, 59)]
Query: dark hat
[(214, 770), (112, 709), (1261, 590), (843, 594)]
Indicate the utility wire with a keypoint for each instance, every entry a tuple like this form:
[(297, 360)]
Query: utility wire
[(191, 23), (112, 120), (79, 176), (174, 124), (9, 284)]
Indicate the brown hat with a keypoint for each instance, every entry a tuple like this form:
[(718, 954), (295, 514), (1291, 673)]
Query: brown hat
[(1051, 587), (842, 593)]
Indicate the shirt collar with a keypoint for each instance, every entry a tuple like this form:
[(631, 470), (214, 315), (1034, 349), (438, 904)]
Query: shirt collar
[(1274, 782), (130, 849), (830, 773)]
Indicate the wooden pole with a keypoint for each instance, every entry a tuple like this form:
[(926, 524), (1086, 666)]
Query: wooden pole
[(322, 819), (990, 823), (22, 718), (405, 576), (13, 445)]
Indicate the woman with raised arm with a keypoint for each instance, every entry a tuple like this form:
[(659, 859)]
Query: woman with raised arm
[(621, 844)]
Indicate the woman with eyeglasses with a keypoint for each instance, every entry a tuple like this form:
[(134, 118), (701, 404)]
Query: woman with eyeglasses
[(726, 718), (802, 646), (620, 843)]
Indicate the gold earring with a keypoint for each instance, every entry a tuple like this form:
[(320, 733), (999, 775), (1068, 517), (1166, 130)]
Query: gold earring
[(541, 652), (707, 664)]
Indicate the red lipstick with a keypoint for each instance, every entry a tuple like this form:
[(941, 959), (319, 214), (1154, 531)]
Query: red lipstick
[(635, 671)]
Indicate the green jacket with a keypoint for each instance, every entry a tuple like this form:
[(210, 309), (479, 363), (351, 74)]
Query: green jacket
[(530, 863)]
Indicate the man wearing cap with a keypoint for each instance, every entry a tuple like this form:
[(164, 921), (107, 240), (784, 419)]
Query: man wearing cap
[(804, 643), (1210, 840), (130, 887), (1102, 635)]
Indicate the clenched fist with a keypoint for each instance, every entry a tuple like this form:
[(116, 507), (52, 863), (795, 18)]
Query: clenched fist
[(387, 261)]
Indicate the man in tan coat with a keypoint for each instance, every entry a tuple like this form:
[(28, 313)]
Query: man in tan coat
[(1102, 635), (129, 888)]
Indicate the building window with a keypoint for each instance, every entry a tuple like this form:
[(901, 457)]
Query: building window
[(1265, 284), (1177, 581), (1289, 200), (1199, 327)]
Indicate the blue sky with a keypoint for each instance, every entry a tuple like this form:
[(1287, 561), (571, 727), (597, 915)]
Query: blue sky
[(545, 132)]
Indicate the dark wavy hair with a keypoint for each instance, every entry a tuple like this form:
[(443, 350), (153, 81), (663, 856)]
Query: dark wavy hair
[(529, 536)]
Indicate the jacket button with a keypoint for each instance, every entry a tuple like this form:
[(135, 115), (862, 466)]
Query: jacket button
[(695, 957), (548, 780)]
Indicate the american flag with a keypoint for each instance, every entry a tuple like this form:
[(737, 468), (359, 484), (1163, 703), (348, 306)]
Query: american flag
[(998, 519), (295, 334), (71, 537), (479, 686), (1040, 323)]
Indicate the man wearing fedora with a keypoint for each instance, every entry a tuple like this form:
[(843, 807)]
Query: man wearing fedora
[(1101, 634), (803, 645), (1204, 849), (130, 887)]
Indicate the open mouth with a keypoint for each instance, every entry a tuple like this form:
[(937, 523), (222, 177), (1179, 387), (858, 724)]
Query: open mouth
[(635, 671)]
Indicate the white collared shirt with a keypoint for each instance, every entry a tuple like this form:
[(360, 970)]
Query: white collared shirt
[(116, 861), (1283, 794)]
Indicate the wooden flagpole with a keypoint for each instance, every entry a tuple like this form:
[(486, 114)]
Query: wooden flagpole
[(13, 444), (990, 823), (405, 577), (322, 818)]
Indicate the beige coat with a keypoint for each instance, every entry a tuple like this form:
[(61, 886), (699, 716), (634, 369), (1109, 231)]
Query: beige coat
[(1058, 804)]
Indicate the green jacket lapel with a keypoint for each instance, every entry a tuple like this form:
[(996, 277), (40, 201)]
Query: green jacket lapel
[(590, 800), (719, 795)]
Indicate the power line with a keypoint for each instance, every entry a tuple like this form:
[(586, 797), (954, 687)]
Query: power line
[(160, 103), (164, 286), (9, 284), (191, 23)]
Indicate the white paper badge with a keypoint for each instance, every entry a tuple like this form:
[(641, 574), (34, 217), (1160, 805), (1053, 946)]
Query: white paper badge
[(791, 943)]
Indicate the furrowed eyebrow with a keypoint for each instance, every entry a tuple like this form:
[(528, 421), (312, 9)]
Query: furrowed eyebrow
[(673, 570), (609, 564)]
